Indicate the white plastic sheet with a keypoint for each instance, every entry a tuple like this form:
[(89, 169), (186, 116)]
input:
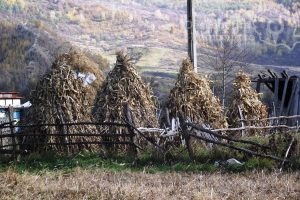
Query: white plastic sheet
[(87, 78)]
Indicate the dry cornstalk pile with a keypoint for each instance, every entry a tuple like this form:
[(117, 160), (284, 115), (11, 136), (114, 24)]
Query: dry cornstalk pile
[(248, 100), (192, 98), (66, 94), (124, 95)]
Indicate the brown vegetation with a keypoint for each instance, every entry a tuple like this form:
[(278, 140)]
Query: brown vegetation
[(192, 98), (124, 95), (63, 95), (245, 97), (97, 184)]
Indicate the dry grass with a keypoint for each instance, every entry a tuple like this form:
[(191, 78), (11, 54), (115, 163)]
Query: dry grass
[(98, 184)]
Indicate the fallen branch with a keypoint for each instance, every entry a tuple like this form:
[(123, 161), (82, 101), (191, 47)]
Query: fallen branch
[(253, 153), (224, 137), (255, 127)]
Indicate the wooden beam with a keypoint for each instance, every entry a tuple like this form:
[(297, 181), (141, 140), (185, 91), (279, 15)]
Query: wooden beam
[(192, 47), (285, 74), (295, 85), (283, 95), (276, 91), (258, 84), (273, 74), (296, 102)]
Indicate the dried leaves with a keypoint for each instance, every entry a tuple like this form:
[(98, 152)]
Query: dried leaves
[(192, 98)]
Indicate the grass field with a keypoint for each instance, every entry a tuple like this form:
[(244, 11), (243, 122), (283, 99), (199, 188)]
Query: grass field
[(102, 184), (90, 176), (172, 175)]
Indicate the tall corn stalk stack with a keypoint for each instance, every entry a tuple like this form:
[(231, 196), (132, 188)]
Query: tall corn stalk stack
[(247, 101), (65, 94), (125, 97), (192, 98)]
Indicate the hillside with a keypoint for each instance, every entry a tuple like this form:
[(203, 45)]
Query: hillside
[(110, 24), (153, 31), (27, 52)]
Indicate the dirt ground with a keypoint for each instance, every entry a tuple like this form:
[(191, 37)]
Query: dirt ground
[(99, 184)]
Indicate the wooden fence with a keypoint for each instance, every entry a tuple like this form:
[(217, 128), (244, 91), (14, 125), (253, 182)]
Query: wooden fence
[(186, 130), (12, 141)]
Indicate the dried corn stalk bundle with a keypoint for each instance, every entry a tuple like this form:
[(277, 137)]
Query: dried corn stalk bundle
[(65, 94), (124, 95), (248, 100), (192, 98)]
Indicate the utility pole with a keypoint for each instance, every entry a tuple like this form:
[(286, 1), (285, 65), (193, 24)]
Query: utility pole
[(192, 46)]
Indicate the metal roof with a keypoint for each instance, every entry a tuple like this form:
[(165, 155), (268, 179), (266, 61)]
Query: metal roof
[(10, 95)]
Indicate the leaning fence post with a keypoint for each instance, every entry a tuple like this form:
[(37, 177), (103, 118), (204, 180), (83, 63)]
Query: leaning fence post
[(287, 153)]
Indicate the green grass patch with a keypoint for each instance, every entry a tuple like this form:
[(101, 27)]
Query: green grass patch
[(152, 58), (176, 160)]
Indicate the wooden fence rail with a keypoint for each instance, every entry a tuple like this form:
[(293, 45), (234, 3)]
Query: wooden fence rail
[(271, 118), (257, 128), (69, 135), (14, 147), (187, 130), (230, 145), (7, 125)]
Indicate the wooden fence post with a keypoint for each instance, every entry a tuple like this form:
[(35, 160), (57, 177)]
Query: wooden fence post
[(187, 138), (11, 126), (130, 129), (63, 132), (168, 117), (242, 121)]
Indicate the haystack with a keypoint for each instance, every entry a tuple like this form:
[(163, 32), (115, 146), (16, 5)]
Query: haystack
[(66, 94), (125, 97), (248, 100), (124, 92), (192, 98)]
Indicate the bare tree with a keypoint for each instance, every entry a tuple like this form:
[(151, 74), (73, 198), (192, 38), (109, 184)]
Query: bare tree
[(228, 56)]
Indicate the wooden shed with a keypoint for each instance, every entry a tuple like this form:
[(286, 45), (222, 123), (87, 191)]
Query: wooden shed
[(286, 93)]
